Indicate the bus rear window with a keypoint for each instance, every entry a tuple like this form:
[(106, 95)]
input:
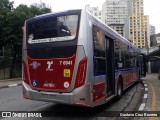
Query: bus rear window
[(52, 29)]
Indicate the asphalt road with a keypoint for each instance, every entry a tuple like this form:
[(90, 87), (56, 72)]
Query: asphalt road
[(11, 99)]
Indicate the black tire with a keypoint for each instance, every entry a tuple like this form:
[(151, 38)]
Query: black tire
[(119, 89)]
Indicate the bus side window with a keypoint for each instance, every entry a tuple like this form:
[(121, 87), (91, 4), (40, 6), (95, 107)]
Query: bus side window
[(99, 45), (119, 54), (99, 52)]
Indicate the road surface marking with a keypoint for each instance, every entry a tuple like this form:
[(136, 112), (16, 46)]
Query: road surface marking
[(143, 104), (141, 108), (145, 85), (146, 89), (12, 85), (144, 82), (153, 99), (145, 96)]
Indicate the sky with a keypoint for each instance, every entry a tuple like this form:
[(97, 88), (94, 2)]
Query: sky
[(151, 7)]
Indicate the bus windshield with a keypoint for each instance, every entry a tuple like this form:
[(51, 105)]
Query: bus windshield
[(53, 35), (52, 29)]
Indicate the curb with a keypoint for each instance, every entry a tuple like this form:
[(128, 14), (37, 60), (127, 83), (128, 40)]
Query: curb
[(13, 79), (145, 97)]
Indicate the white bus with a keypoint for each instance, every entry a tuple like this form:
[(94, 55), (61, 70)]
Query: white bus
[(71, 57)]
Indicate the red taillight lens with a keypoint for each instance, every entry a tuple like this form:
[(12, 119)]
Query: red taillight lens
[(25, 73), (81, 73)]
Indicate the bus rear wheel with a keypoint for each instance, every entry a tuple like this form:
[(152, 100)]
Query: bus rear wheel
[(119, 89)]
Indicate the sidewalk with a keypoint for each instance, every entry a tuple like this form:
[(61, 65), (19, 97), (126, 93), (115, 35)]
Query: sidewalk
[(10, 82), (153, 98), (153, 78)]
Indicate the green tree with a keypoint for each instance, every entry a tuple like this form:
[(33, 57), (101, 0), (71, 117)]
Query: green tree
[(13, 33), (13, 21), (5, 8), (38, 9)]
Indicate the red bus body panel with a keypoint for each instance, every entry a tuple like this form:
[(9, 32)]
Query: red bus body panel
[(51, 74)]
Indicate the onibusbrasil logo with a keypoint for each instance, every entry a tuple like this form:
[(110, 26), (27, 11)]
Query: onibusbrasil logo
[(21, 114)]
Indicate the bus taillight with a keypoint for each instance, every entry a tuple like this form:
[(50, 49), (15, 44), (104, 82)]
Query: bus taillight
[(25, 73), (81, 73)]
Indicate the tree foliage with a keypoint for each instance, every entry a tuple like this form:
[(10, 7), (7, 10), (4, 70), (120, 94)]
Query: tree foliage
[(5, 8), (11, 23)]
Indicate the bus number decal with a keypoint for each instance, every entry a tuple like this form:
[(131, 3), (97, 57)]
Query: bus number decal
[(65, 62)]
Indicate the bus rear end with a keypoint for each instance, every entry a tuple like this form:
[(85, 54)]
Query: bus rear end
[(54, 66)]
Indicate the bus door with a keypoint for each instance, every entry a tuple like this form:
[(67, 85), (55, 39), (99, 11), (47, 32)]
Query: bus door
[(110, 67)]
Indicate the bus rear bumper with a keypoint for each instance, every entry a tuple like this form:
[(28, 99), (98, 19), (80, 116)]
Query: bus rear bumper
[(77, 97), (29, 93)]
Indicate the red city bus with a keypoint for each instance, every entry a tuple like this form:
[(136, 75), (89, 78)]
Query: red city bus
[(71, 57)]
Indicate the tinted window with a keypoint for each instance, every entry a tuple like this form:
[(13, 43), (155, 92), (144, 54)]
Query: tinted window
[(99, 45), (51, 29), (54, 35), (120, 49), (99, 52)]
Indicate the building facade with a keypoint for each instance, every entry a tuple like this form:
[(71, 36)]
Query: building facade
[(155, 39), (152, 30), (94, 11), (114, 13), (137, 24)]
